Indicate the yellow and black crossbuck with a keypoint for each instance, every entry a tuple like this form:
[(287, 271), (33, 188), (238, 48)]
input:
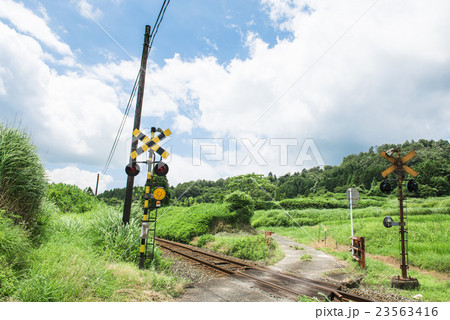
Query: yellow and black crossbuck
[(150, 143)]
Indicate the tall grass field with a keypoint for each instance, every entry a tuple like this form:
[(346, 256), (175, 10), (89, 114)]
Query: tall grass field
[(428, 245)]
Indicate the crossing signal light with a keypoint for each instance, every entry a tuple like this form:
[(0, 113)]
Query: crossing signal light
[(161, 169), (385, 187), (388, 222), (132, 169), (412, 186)]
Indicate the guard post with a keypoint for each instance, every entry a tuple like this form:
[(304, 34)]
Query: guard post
[(359, 250)]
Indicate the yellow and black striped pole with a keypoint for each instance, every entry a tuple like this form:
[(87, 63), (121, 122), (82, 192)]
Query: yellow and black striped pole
[(147, 200)]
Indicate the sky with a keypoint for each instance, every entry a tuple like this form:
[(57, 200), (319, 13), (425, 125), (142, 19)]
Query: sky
[(244, 86)]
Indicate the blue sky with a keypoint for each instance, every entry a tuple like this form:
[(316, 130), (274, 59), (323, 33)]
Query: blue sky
[(245, 86)]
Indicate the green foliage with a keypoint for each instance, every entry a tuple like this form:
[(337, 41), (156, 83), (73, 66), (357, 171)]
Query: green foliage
[(362, 171), (110, 236), (183, 224), (62, 271), (204, 239), (306, 257), (242, 205), (249, 247), (15, 248), (265, 205), (316, 202), (22, 176), (427, 219), (255, 185), (69, 198)]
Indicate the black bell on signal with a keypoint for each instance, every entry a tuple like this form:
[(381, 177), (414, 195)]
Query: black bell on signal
[(385, 187), (412, 186), (132, 169), (161, 169)]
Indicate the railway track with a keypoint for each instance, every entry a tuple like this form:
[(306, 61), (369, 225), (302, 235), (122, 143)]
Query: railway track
[(277, 283)]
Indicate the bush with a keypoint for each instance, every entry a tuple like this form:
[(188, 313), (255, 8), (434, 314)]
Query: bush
[(204, 239), (182, 224), (70, 198), (265, 205), (22, 176), (242, 204), (316, 203)]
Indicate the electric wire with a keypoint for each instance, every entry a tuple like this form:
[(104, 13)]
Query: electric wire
[(158, 22), (122, 125), (153, 33)]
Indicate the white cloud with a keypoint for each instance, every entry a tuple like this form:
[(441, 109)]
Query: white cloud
[(81, 178), (72, 117), (182, 124), (181, 170), (87, 10), (333, 79), (343, 77), (26, 21)]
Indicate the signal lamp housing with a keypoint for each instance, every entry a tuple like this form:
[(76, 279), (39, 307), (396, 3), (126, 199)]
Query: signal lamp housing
[(412, 186), (161, 169), (132, 169), (385, 187)]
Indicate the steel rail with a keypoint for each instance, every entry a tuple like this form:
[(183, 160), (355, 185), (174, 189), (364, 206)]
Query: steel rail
[(226, 271), (202, 252), (321, 285), (341, 295)]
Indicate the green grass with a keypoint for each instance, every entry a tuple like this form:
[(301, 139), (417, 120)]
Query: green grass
[(306, 257), (87, 256), (182, 224), (428, 238), (15, 249), (379, 273), (242, 245), (22, 176), (428, 235)]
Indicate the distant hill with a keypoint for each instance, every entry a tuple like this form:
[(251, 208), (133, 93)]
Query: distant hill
[(361, 170)]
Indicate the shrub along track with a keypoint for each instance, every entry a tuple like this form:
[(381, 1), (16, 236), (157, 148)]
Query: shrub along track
[(274, 282)]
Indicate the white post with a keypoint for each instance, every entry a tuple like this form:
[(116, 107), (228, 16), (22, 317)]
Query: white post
[(351, 217)]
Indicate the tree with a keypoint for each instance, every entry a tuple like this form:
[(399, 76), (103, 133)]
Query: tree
[(242, 204), (255, 185)]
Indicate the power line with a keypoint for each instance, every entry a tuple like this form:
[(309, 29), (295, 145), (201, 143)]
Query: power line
[(122, 125), (153, 33), (158, 22)]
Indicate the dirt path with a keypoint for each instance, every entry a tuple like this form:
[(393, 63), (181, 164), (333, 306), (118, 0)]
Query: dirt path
[(305, 261)]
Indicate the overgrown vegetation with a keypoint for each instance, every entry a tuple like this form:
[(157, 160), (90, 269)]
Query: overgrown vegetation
[(59, 243), (183, 224), (242, 245), (22, 179), (69, 198)]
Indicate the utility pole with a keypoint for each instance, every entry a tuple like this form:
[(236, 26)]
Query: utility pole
[(96, 186), (137, 123)]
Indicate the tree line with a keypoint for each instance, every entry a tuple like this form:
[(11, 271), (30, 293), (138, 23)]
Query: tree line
[(362, 171)]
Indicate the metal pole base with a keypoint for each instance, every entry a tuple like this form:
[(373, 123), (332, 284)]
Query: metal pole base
[(142, 262), (404, 283)]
